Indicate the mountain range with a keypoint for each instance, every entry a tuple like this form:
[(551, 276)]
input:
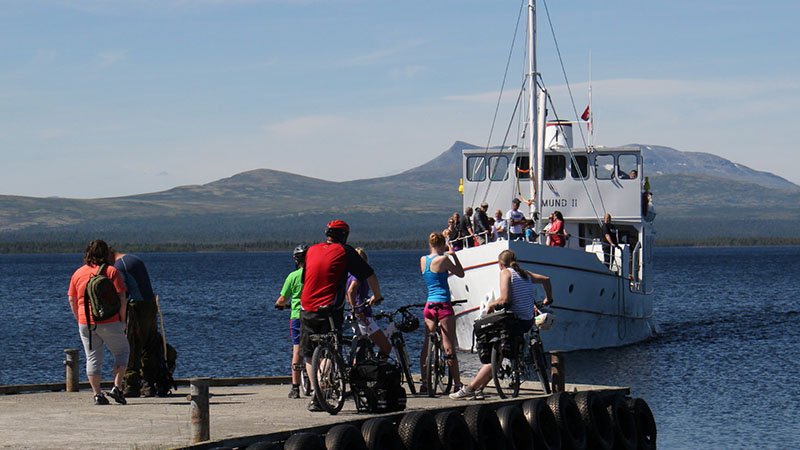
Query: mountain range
[(698, 196)]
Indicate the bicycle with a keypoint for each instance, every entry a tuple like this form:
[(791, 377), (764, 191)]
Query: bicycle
[(394, 331), (437, 373), (328, 377), (512, 371)]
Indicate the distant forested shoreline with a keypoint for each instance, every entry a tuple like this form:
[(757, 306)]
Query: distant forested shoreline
[(267, 246)]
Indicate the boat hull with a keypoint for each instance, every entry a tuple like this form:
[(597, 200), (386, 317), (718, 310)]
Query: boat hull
[(594, 307)]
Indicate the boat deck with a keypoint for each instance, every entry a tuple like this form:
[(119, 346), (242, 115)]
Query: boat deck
[(70, 420)]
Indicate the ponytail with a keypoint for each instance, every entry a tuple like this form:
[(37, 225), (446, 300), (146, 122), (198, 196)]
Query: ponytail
[(509, 259)]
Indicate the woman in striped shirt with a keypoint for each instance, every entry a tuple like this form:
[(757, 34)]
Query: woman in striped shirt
[(516, 295)]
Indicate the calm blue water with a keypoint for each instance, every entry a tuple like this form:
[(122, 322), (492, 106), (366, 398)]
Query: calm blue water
[(721, 375)]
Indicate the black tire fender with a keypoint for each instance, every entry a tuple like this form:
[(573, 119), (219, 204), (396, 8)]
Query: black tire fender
[(568, 419), (379, 434), (596, 420), (645, 423), (623, 423), (543, 424), (265, 445), (304, 441), (484, 428), (515, 428), (453, 431), (417, 431), (344, 437)]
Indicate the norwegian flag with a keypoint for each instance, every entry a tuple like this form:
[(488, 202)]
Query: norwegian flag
[(586, 113)]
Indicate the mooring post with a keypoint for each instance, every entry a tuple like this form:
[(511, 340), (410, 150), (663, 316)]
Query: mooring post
[(557, 371), (200, 417), (71, 365)]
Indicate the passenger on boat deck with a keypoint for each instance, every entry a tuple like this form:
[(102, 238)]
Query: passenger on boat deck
[(455, 238), (492, 230), (324, 278), (480, 223), (465, 228), (501, 225), (633, 174), (558, 237), (516, 221), (516, 295), (290, 296), (610, 239), (547, 228), (530, 231), (450, 231)]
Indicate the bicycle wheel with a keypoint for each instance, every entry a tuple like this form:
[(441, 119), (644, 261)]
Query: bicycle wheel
[(541, 365), (431, 362), (403, 361), (505, 372), (305, 382), (327, 378)]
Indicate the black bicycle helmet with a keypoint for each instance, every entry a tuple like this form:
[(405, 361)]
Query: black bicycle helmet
[(299, 253), (408, 323)]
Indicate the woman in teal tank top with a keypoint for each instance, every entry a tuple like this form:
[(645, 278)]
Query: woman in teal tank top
[(436, 268)]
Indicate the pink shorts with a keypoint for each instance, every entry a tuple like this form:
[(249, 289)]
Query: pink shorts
[(444, 311)]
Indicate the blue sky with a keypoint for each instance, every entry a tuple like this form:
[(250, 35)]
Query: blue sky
[(146, 95)]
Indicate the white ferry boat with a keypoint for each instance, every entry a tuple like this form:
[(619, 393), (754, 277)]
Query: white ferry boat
[(596, 304)]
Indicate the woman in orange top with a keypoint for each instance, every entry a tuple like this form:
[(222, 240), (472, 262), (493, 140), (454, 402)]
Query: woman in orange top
[(110, 332)]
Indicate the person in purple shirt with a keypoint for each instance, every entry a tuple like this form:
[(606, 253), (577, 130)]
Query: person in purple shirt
[(357, 296)]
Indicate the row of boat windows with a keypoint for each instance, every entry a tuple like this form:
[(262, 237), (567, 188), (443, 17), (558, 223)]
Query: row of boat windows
[(606, 166)]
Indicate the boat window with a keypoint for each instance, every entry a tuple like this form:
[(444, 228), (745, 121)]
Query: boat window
[(604, 167), (498, 168), (580, 167), (628, 167), (555, 167), (476, 168), (523, 168)]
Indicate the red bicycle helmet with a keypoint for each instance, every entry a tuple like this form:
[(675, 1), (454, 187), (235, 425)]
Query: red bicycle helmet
[(338, 230)]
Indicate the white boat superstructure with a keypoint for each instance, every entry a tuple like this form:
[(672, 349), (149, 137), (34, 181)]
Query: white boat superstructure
[(601, 299)]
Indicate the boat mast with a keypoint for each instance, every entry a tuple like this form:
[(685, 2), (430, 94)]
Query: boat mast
[(535, 117), (532, 129)]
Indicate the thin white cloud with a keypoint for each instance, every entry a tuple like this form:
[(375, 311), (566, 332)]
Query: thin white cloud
[(111, 57), (409, 71), (380, 55)]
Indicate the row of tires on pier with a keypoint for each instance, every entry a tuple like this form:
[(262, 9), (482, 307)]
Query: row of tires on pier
[(586, 420)]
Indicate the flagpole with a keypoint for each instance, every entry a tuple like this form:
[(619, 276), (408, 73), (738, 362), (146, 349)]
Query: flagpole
[(591, 110)]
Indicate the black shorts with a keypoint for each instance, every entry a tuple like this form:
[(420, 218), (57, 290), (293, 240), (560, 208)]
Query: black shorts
[(316, 323)]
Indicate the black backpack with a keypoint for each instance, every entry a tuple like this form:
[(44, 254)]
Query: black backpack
[(100, 299), (102, 296), (376, 383)]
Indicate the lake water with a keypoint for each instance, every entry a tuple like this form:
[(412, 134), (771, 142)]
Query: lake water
[(720, 375)]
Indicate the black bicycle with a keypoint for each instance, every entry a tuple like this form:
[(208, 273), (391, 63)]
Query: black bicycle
[(401, 321), (328, 374), (437, 370), (509, 371)]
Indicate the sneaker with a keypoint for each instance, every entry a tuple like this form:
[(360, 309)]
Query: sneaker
[(465, 393), (100, 399), (294, 392), (117, 395), (479, 394), (313, 406)]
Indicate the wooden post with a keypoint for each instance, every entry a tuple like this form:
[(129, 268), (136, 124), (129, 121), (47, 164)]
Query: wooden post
[(557, 371), (71, 363), (200, 416)]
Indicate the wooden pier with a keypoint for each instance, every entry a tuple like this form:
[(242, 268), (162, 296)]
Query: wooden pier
[(239, 414)]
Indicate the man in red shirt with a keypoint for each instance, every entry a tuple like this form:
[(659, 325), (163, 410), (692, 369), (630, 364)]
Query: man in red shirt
[(324, 284)]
